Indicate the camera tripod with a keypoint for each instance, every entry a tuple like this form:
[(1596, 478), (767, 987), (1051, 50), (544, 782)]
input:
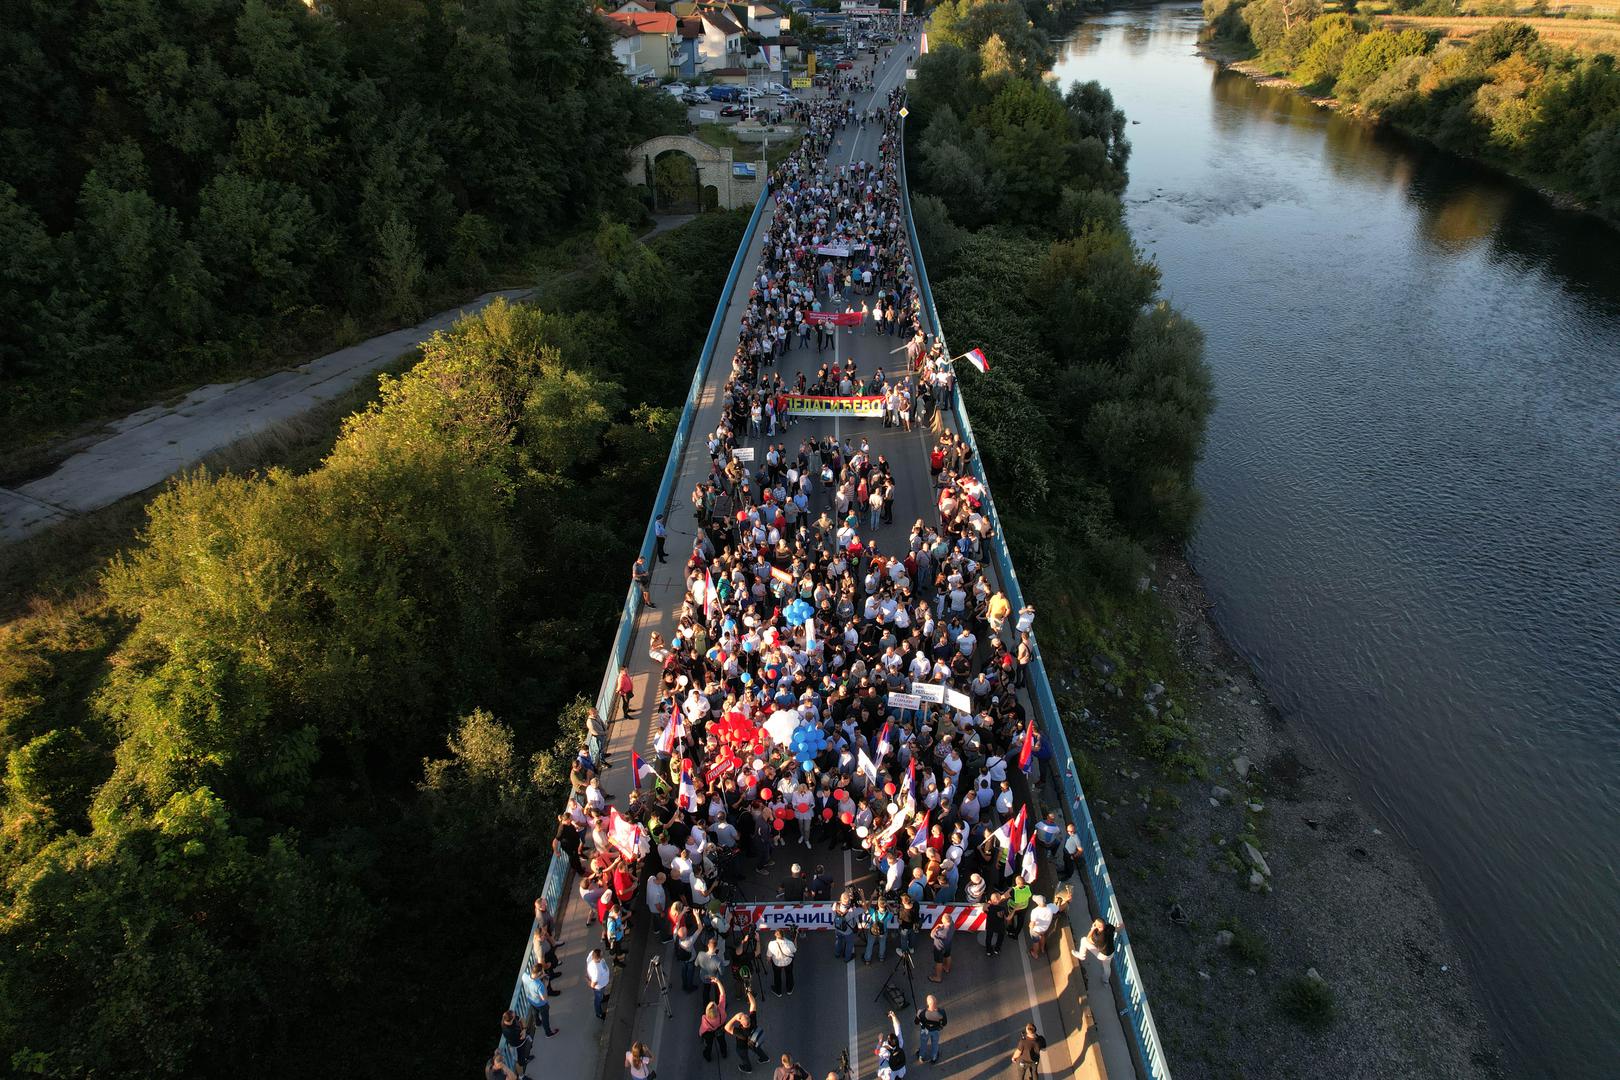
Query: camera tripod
[(896, 996), (655, 974)]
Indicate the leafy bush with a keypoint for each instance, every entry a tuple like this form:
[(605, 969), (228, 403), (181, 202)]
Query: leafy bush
[(1306, 1001)]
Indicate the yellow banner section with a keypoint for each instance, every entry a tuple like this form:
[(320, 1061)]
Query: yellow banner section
[(817, 405), (801, 82)]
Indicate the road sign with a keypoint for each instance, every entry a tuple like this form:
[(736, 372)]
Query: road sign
[(904, 112)]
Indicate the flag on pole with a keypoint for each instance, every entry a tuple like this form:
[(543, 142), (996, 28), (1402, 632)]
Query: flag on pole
[(687, 799), (1015, 840), (883, 743), (977, 358), (672, 731), (708, 594), (911, 778), (924, 50), (1029, 746), (635, 769), (920, 837)]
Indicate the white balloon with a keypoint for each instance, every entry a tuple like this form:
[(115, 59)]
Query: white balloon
[(862, 831)]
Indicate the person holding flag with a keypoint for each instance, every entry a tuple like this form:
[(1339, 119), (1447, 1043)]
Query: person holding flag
[(1028, 747)]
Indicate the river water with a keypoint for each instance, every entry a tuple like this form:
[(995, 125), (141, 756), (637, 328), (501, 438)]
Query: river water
[(1412, 482)]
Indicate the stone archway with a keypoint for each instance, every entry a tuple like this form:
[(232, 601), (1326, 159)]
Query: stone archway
[(714, 169), (676, 188)]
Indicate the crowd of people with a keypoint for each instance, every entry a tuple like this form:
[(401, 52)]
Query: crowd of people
[(779, 704)]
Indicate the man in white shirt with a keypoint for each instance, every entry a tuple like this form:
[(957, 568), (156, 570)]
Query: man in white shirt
[(781, 953), (600, 976)]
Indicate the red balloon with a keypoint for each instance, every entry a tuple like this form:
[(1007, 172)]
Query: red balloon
[(842, 794), (888, 789), (847, 818), (779, 824), (765, 793), (783, 813), (827, 814)]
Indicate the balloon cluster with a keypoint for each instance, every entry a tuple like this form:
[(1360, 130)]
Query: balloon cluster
[(806, 742)]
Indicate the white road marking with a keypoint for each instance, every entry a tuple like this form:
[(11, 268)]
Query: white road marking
[(849, 985)]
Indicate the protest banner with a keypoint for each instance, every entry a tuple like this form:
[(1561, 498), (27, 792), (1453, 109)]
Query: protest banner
[(816, 405)]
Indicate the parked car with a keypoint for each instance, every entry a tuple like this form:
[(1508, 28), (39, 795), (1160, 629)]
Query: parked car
[(695, 97), (725, 93), (676, 89), (735, 110), (844, 65), (776, 88)]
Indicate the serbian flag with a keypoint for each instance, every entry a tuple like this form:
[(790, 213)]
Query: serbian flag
[(883, 743), (672, 731), (708, 594), (1029, 746), (924, 50), (920, 837), (635, 769), (911, 777), (687, 799), (1015, 840), (977, 358)]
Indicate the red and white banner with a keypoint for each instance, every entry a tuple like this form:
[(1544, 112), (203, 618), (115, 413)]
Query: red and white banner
[(832, 318), (819, 915)]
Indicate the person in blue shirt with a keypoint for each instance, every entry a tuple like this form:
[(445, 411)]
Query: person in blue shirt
[(878, 921), (535, 993)]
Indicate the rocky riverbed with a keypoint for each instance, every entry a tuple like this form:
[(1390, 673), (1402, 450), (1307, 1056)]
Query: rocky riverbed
[(1281, 931)]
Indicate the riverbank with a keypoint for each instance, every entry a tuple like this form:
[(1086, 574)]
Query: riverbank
[(1227, 55), (1231, 939)]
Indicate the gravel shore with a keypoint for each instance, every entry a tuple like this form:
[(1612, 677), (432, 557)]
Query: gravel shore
[(1228, 936)]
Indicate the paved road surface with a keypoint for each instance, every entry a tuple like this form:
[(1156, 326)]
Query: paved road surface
[(148, 447), (988, 1000)]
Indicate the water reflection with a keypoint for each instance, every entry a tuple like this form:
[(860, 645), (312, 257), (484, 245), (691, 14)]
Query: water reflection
[(1412, 493)]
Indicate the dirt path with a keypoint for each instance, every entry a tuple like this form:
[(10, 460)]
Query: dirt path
[(147, 447)]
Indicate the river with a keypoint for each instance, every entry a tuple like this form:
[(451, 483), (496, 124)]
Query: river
[(1412, 483)]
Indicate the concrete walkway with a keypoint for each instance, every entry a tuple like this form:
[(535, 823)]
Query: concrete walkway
[(147, 447)]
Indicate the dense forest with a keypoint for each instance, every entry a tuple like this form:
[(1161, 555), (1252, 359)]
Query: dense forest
[(1092, 416), (192, 187), (230, 807), (1503, 95)]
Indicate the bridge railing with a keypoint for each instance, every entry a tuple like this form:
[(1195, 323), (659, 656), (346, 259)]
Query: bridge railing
[(557, 873), (1130, 993)]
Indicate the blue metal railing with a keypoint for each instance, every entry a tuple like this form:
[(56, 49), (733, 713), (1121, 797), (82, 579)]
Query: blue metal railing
[(557, 873), (1131, 993)]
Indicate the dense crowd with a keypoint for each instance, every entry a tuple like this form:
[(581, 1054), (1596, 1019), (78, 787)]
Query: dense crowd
[(775, 731)]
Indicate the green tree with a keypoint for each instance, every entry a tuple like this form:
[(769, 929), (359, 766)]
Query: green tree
[(398, 268)]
